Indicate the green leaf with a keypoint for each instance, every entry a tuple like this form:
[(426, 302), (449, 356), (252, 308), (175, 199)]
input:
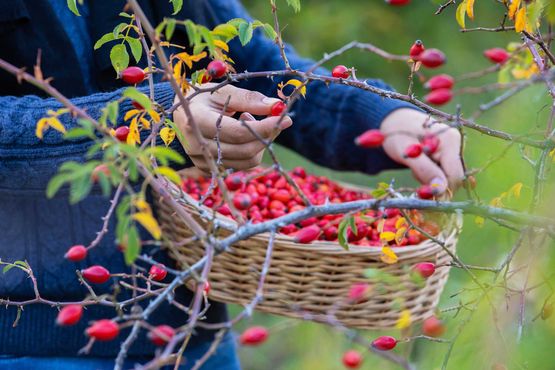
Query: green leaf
[(7, 268), (125, 15), (504, 75), (119, 57), (192, 33), (80, 188), (170, 27), (112, 111), (72, 5), (136, 48), (226, 30), (170, 174), (55, 184), (164, 154), (104, 39), (269, 31), (133, 246), (78, 133), (208, 38), (134, 94), (295, 4), (119, 29), (177, 5), (245, 33), (342, 234)]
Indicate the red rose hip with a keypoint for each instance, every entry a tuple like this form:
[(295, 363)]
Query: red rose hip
[(96, 274), (352, 359), (433, 327), (425, 269), (103, 330), (439, 97), (216, 69), (340, 71), (278, 108), (69, 315), (161, 335), (121, 133), (413, 151), (158, 272), (242, 201), (397, 2), (426, 192), (253, 336), (430, 144), (76, 253), (370, 139), (432, 58), (385, 343), (442, 81), (133, 75), (497, 55), (307, 234), (416, 49)]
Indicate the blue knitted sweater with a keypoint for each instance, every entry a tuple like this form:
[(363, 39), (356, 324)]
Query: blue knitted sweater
[(40, 230)]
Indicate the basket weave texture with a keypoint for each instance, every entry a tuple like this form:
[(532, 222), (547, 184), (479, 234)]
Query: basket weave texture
[(310, 280)]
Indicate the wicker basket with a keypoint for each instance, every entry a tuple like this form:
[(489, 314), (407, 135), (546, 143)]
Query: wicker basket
[(309, 280)]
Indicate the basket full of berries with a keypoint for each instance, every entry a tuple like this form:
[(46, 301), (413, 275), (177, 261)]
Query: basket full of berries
[(366, 269)]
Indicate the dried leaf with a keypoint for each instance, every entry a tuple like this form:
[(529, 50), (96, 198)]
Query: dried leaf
[(513, 8), (168, 135), (400, 234), (133, 137), (470, 9), (131, 113), (42, 125), (388, 256), (149, 223)]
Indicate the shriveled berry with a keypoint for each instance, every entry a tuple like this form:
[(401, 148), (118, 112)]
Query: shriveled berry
[(216, 69), (242, 201), (397, 2), (497, 55), (442, 81), (96, 274), (433, 327), (439, 97), (430, 144), (352, 359), (137, 105), (413, 151), (101, 168), (278, 108), (253, 336), (370, 139), (416, 49), (425, 269), (121, 133), (307, 234), (432, 58), (133, 75), (358, 291), (340, 71), (69, 315), (158, 272), (103, 330), (161, 335), (385, 343), (76, 253)]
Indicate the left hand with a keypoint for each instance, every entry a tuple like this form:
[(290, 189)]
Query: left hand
[(443, 168)]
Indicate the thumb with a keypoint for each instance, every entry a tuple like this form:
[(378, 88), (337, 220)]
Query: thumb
[(428, 172)]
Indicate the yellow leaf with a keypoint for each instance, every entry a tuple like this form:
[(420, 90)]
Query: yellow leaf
[(133, 137), (552, 154), (401, 221), (189, 59), (388, 256), (387, 236), (145, 122), (141, 205), (404, 320), (513, 8), (55, 123), (479, 220), (470, 9), (298, 85), (168, 135), (400, 234), (461, 13), (130, 114), (149, 223), (177, 70), (222, 45), (497, 201), (155, 116), (170, 174), (515, 190), (520, 20), (42, 125)]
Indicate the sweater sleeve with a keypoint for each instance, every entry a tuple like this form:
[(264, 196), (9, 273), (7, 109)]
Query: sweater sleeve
[(27, 162), (326, 123)]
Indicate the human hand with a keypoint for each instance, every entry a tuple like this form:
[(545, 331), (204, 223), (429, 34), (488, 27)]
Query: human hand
[(240, 149), (441, 169)]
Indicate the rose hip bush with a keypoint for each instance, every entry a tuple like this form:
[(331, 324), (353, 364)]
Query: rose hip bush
[(125, 153)]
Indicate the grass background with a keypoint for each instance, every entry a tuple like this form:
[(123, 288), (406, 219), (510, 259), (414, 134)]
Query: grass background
[(323, 26)]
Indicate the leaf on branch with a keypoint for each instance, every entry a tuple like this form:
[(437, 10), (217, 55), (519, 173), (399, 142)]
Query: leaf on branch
[(513, 8), (177, 5), (520, 20), (387, 236), (136, 48), (170, 174), (119, 57), (44, 123), (388, 256), (190, 59), (72, 5), (400, 235), (245, 33), (104, 39), (299, 85), (461, 14), (516, 189), (470, 9), (295, 4), (134, 94), (148, 221), (133, 137), (168, 135)]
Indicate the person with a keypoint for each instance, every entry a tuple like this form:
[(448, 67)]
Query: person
[(40, 230)]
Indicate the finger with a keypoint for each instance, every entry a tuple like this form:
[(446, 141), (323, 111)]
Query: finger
[(449, 158), (426, 171), (242, 100), (227, 151), (238, 165)]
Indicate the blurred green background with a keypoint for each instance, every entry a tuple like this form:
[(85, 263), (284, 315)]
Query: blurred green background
[(323, 26)]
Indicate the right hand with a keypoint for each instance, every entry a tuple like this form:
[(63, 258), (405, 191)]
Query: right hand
[(240, 149)]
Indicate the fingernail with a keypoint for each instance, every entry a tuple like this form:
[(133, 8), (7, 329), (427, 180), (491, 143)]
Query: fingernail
[(438, 184), (247, 117), (285, 123), (270, 101)]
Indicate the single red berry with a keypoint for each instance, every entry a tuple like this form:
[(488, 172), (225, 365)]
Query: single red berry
[(340, 71), (282, 195), (242, 201), (385, 343), (69, 315), (307, 234), (330, 233), (442, 81), (207, 287), (430, 144), (253, 336), (76, 253), (101, 168), (161, 335), (497, 55), (157, 272), (413, 151), (416, 49), (233, 182), (425, 269), (121, 133), (370, 139), (432, 58), (96, 274), (426, 192), (278, 108), (216, 69), (358, 291), (299, 172), (397, 2), (439, 97), (433, 327), (352, 359), (137, 105), (103, 330), (133, 75)]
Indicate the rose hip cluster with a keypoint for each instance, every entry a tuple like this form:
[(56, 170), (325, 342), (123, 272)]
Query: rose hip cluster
[(261, 196)]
